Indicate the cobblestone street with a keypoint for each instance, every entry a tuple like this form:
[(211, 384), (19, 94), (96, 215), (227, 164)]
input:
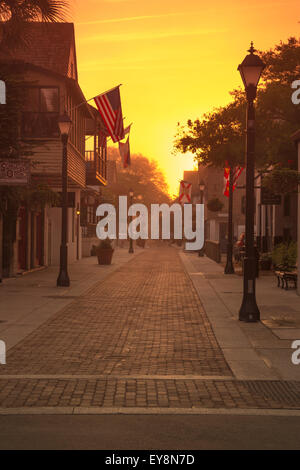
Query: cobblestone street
[(138, 338)]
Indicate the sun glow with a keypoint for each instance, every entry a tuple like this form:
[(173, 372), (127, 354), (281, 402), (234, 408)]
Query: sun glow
[(176, 60)]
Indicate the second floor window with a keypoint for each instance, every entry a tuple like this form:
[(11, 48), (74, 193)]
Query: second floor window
[(40, 112)]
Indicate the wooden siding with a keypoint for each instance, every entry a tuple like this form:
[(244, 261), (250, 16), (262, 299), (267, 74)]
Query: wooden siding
[(47, 157), (48, 161), (76, 166)]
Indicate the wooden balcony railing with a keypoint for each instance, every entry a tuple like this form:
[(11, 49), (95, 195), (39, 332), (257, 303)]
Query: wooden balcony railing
[(96, 171)]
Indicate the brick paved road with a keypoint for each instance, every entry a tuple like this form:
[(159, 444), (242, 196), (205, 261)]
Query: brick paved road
[(152, 393), (112, 346), (144, 319)]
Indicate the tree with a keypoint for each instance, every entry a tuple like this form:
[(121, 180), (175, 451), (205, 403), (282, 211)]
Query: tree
[(277, 117), (216, 139), (15, 14), (11, 145), (275, 110), (144, 177), (282, 181)]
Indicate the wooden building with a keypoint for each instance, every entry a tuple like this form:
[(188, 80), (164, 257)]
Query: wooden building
[(216, 223), (48, 67)]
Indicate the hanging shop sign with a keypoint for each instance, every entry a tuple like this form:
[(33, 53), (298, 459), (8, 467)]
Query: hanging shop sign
[(268, 198)]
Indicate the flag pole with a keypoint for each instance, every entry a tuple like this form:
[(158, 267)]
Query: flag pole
[(104, 93)]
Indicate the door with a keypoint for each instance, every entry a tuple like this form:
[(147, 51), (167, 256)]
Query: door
[(39, 239), (223, 236), (22, 239)]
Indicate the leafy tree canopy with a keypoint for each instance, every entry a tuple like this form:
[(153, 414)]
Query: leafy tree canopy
[(15, 14), (145, 179), (220, 136)]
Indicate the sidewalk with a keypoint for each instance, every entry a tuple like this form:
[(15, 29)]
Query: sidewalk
[(253, 350), (27, 301)]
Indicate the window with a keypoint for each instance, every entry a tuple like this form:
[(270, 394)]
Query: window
[(40, 112)]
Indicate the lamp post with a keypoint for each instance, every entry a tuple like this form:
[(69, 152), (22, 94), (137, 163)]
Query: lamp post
[(250, 70), (229, 269), (78, 228), (63, 280), (130, 239), (201, 190)]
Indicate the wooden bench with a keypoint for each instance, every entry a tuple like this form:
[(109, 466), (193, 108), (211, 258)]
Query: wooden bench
[(286, 275)]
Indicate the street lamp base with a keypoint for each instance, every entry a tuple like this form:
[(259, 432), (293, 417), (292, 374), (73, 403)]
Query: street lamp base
[(249, 311), (229, 269), (63, 277)]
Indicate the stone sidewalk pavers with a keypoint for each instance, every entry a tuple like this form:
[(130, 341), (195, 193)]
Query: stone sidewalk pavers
[(253, 350), (152, 393), (138, 339), (26, 302), (145, 318)]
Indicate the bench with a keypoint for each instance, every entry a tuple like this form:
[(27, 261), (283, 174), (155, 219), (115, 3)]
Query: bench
[(285, 275)]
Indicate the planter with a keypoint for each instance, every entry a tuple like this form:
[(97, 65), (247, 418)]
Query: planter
[(214, 205), (105, 255)]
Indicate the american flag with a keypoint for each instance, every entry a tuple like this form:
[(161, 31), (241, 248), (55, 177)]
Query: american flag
[(109, 106), (127, 129)]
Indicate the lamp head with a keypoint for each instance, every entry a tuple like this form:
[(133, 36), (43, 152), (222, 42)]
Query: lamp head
[(251, 69), (64, 124)]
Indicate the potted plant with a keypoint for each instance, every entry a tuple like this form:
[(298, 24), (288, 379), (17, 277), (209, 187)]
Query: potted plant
[(104, 251), (284, 255), (265, 261)]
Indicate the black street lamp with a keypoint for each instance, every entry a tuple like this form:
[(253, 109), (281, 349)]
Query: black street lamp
[(250, 70), (201, 190), (131, 218), (229, 269), (63, 280)]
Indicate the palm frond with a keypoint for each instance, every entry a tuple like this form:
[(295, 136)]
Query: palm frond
[(16, 14)]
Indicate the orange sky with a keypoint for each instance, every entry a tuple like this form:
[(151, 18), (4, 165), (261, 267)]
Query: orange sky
[(175, 59)]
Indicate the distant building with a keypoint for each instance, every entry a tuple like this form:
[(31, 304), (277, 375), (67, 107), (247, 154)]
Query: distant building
[(216, 223), (296, 138), (275, 223)]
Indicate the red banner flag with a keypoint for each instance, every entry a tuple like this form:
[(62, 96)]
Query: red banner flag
[(185, 192), (124, 150), (236, 173)]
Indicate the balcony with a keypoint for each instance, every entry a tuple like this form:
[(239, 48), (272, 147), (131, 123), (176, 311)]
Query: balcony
[(96, 171)]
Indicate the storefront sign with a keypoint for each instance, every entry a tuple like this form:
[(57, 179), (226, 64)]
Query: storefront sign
[(14, 172)]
